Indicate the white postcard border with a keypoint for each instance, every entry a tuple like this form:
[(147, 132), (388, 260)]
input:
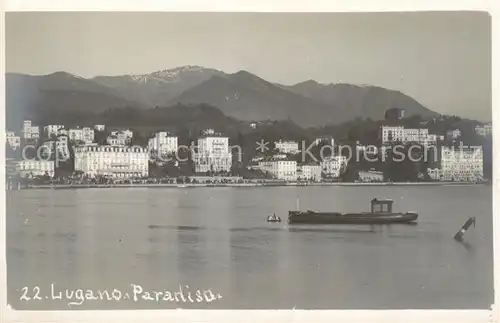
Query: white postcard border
[(492, 6)]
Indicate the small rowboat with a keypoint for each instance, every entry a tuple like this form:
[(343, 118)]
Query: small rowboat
[(273, 218)]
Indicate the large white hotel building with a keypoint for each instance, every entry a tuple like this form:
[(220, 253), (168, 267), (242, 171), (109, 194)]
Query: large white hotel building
[(112, 161), (404, 135), (212, 154), (461, 164)]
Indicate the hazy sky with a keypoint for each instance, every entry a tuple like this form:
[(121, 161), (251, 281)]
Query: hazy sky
[(443, 60)]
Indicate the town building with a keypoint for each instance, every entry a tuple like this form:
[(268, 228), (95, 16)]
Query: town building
[(32, 168), (212, 154), (100, 127), (12, 140), (310, 172), (51, 130), (287, 147), (30, 131), (280, 169), (114, 140), (415, 135), (370, 176), (333, 166), (392, 134), (84, 134), (163, 143), (400, 134), (462, 164), (124, 136), (112, 161), (59, 146), (484, 131)]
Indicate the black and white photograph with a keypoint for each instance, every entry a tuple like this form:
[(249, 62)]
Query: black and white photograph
[(249, 160)]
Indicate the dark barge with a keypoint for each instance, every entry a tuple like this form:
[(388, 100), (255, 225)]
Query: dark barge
[(381, 213)]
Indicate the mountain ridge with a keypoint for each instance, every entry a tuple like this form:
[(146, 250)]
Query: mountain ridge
[(241, 95)]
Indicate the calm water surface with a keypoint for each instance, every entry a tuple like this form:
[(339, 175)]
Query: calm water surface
[(217, 239)]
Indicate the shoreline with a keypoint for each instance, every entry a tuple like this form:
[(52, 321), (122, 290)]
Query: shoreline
[(290, 184)]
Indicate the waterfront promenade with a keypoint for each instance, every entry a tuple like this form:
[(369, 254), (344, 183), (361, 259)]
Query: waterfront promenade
[(259, 184)]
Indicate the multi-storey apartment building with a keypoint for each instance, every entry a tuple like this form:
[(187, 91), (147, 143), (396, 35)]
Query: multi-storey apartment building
[(163, 143), (309, 172), (123, 137), (60, 146), (30, 131), (332, 166), (461, 164), (52, 129), (392, 134), (84, 134), (213, 154), (400, 134)]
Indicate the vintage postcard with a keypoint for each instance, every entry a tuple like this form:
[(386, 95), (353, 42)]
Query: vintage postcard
[(248, 161)]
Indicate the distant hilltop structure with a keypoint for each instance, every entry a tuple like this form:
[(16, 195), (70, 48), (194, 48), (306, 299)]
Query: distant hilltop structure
[(394, 114)]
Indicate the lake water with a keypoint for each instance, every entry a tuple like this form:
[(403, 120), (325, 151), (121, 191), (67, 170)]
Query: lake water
[(216, 240)]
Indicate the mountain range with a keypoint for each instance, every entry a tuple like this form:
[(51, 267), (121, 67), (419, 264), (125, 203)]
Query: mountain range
[(241, 95)]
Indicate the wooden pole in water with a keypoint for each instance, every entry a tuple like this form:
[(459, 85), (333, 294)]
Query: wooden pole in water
[(460, 234)]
